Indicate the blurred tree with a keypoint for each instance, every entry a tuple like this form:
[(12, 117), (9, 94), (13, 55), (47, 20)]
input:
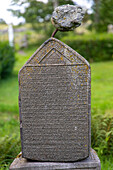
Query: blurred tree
[(37, 11), (55, 3), (102, 14), (2, 21)]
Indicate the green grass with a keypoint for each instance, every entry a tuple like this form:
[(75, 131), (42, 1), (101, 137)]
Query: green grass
[(106, 163), (102, 87), (9, 94), (102, 102), (22, 57), (9, 123)]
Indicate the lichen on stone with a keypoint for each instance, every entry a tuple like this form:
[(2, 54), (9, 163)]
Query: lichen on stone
[(67, 17)]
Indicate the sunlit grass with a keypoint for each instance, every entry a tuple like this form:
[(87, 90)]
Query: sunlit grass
[(22, 57), (9, 94), (102, 87)]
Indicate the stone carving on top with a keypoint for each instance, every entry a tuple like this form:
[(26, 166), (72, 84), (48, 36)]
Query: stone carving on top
[(51, 47)]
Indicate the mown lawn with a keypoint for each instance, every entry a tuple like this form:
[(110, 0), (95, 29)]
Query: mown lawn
[(102, 102), (102, 87)]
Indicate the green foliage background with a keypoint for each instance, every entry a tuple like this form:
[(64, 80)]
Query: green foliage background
[(6, 59), (102, 14), (37, 12), (94, 47)]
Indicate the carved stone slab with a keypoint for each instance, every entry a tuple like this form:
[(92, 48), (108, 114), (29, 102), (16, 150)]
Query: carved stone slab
[(54, 102)]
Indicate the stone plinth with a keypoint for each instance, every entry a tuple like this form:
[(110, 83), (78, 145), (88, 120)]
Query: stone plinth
[(90, 163)]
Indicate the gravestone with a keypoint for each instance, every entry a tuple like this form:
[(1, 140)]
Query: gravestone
[(55, 110), (55, 104)]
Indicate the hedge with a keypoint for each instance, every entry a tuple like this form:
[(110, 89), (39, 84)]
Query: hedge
[(93, 47), (7, 59)]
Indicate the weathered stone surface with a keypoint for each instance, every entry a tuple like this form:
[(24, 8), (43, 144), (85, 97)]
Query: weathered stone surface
[(54, 102), (67, 17), (90, 163)]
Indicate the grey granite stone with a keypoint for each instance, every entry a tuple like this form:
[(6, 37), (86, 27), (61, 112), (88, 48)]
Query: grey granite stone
[(54, 104), (67, 17), (90, 163)]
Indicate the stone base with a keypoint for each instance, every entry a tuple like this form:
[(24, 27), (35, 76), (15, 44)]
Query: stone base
[(92, 162)]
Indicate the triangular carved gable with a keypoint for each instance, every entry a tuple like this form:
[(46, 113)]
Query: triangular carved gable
[(54, 57), (65, 54)]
